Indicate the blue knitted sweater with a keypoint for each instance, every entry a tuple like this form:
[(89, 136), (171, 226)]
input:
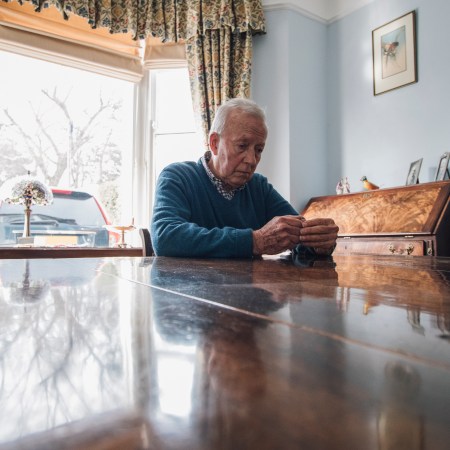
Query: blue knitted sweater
[(191, 218)]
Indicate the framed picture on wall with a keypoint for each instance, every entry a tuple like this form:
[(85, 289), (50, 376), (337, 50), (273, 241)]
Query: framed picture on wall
[(394, 54), (413, 174), (442, 170)]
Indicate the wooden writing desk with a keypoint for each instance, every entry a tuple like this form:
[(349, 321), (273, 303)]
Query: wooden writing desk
[(171, 353), (408, 220)]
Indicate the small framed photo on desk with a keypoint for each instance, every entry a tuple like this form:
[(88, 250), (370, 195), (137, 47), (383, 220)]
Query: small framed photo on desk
[(413, 174), (442, 171)]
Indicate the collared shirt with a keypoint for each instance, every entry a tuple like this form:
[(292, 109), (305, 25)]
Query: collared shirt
[(218, 183)]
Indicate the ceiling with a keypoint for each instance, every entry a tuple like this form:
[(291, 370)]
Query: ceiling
[(322, 10)]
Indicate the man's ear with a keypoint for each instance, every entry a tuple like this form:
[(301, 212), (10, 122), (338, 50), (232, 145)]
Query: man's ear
[(214, 139)]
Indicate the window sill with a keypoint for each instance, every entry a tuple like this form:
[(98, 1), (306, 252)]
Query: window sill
[(66, 252)]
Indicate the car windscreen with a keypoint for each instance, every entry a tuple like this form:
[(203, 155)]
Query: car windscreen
[(81, 210)]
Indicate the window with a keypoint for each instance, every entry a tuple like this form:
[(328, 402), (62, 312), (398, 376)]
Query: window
[(71, 128), (80, 130), (175, 137)]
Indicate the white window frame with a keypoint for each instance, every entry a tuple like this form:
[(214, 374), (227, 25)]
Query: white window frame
[(144, 135)]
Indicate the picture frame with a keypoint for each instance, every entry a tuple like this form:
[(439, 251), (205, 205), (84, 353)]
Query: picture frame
[(413, 174), (442, 169), (394, 52)]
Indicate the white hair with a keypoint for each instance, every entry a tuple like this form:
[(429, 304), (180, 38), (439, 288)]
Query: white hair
[(235, 104)]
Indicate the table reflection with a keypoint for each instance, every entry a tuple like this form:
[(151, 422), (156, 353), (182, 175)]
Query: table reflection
[(62, 354), (417, 287), (400, 423), (199, 354), (26, 291), (175, 353)]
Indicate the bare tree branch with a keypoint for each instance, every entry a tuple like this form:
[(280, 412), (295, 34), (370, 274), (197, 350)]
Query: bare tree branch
[(85, 144)]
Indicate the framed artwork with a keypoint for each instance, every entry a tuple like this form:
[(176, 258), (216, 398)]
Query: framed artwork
[(394, 54), (413, 174), (442, 170)]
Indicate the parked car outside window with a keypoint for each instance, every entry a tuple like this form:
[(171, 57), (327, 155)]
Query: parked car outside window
[(75, 218)]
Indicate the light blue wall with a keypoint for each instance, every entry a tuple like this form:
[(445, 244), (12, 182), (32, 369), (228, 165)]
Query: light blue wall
[(289, 80), (379, 136), (316, 83), (270, 89)]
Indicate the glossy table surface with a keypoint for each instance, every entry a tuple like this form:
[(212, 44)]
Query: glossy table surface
[(169, 353)]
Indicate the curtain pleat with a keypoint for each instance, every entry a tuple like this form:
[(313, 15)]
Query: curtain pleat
[(219, 69)]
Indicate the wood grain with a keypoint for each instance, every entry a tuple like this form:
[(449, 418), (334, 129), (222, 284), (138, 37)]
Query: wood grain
[(275, 353), (398, 210), (418, 211)]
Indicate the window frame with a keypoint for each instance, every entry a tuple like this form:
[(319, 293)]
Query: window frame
[(144, 134), (143, 107)]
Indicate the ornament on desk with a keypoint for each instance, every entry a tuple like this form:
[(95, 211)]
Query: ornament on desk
[(343, 187), (368, 185), (346, 186)]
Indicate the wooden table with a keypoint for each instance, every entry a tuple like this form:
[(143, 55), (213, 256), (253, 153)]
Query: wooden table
[(171, 353)]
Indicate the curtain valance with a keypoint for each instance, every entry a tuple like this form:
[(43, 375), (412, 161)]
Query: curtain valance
[(174, 20), (170, 21)]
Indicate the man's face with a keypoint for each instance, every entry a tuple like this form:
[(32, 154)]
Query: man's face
[(237, 151)]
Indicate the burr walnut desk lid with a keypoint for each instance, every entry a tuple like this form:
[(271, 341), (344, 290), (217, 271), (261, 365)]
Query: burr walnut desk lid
[(417, 209)]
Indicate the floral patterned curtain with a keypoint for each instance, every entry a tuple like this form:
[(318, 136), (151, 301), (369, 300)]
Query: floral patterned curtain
[(219, 69), (217, 33), (170, 20)]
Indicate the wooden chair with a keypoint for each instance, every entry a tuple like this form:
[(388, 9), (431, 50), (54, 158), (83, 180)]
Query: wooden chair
[(147, 248)]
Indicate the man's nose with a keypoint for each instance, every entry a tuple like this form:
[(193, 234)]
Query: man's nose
[(250, 157)]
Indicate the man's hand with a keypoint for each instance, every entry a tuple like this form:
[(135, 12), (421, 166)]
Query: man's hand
[(319, 234), (277, 235)]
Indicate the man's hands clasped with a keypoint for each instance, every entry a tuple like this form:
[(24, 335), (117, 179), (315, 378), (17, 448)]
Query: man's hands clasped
[(286, 232)]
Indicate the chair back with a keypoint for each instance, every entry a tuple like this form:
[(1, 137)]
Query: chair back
[(147, 247)]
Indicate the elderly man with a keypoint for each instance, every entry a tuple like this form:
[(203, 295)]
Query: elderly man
[(219, 206)]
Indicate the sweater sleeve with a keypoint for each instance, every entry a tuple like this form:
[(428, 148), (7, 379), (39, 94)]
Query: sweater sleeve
[(174, 234)]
